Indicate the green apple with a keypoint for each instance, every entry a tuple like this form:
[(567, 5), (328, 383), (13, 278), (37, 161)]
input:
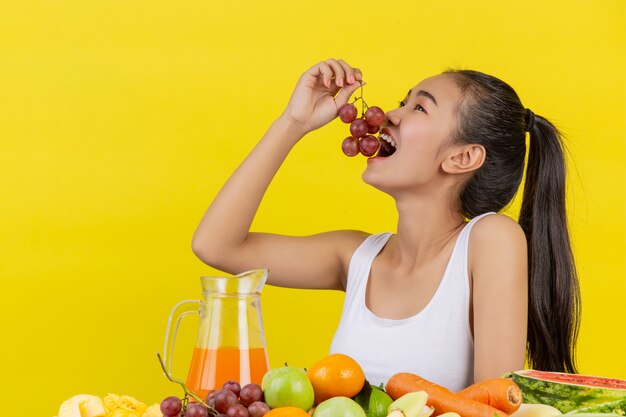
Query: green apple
[(288, 387), (339, 406)]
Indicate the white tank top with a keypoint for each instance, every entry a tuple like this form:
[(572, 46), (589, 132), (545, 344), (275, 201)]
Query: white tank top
[(435, 343)]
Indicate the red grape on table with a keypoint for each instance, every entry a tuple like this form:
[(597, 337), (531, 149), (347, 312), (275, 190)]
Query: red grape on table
[(196, 410), (233, 386), (258, 409), (224, 400), (171, 406), (237, 410), (250, 393)]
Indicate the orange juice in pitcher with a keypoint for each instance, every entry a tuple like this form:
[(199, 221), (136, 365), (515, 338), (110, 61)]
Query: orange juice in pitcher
[(231, 342)]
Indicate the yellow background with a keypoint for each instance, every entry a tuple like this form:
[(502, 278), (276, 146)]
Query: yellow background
[(120, 120)]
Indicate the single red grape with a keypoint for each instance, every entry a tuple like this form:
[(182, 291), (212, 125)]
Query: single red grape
[(196, 410), (350, 146), (371, 129), (375, 116), (237, 410), (171, 406), (348, 112), (232, 385), (251, 392), (210, 397), (358, 128), (224, 400), (258, 409), (369, 145)]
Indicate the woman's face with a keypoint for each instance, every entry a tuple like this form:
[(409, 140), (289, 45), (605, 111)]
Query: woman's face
[(421, 130)]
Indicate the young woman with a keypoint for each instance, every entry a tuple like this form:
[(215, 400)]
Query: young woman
[(433, 299)]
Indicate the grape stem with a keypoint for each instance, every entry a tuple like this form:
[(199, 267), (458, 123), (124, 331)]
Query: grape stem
[(364, 105), (188, 393)]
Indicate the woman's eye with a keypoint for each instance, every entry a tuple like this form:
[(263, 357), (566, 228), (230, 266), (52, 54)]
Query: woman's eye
[(401, 104), (420, 108)]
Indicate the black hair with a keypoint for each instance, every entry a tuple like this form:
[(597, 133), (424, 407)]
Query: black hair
[(492, 115)]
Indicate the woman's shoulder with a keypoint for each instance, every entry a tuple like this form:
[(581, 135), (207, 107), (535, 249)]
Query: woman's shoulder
[(495, 235), (496, 225)]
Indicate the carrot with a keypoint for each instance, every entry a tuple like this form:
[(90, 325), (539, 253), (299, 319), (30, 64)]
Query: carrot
[(441, 399), (500, 393)]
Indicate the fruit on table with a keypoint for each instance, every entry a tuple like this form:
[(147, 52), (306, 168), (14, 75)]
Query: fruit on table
[(153, 411), (123, 406), (231, 400), (569, 392), (599, 415), (412, 404), (377, 403), (536, 410), (336, 375), (287, 386), (339, 407), (287, 412), (82, 405), (613, 407), (171, 406), (112, 405)]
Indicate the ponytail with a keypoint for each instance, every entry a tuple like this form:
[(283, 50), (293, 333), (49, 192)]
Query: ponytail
[(491, 114), (553, 291)]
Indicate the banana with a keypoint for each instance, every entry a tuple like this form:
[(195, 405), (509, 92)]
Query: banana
[(412, 404)]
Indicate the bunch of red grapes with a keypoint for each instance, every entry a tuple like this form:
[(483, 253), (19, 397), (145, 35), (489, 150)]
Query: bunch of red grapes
[(361, 129), (230, 401)]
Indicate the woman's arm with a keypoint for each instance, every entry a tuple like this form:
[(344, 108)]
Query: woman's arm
[(223, 240), (499, 276)]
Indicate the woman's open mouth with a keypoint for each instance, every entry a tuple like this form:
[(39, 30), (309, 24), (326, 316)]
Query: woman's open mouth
[(387, 144)]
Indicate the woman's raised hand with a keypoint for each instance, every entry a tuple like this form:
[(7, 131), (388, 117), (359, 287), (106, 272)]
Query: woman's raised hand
[(320, 93)]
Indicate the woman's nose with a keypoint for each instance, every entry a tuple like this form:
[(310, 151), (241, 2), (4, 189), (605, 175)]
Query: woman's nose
[(392, 117)]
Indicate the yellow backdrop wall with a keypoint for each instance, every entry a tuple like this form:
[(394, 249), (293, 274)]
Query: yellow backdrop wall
[(120, 120)]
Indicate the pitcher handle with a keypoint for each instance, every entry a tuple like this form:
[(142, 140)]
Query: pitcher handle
[(179, 311)]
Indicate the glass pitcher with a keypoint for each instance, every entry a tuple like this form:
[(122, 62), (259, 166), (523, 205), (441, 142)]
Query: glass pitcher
[(231, 342)]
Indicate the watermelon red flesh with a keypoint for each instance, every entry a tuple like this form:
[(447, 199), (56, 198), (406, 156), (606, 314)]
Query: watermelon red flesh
[(568, 392)]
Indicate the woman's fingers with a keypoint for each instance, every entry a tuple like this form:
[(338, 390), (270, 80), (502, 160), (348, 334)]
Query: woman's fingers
[(352, 74), (335, 71), (338, 71), (346, 92), (325, 73)]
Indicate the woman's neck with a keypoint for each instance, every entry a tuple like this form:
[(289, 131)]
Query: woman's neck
[(425, 228)]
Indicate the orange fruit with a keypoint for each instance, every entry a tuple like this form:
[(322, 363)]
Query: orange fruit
[(286, 412), (336, 375)]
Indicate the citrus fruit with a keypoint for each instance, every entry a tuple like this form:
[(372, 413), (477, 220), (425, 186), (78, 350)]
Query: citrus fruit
[(336, 375), (286, 412), (379, 401), (338, 406)]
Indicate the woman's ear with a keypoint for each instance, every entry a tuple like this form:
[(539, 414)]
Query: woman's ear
[(464, 159)]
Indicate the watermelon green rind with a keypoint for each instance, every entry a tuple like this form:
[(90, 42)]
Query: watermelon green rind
[(616, 407), (571, 394)]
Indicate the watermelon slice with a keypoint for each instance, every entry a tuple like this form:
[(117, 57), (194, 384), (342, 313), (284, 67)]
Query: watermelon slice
[(569, 392)]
